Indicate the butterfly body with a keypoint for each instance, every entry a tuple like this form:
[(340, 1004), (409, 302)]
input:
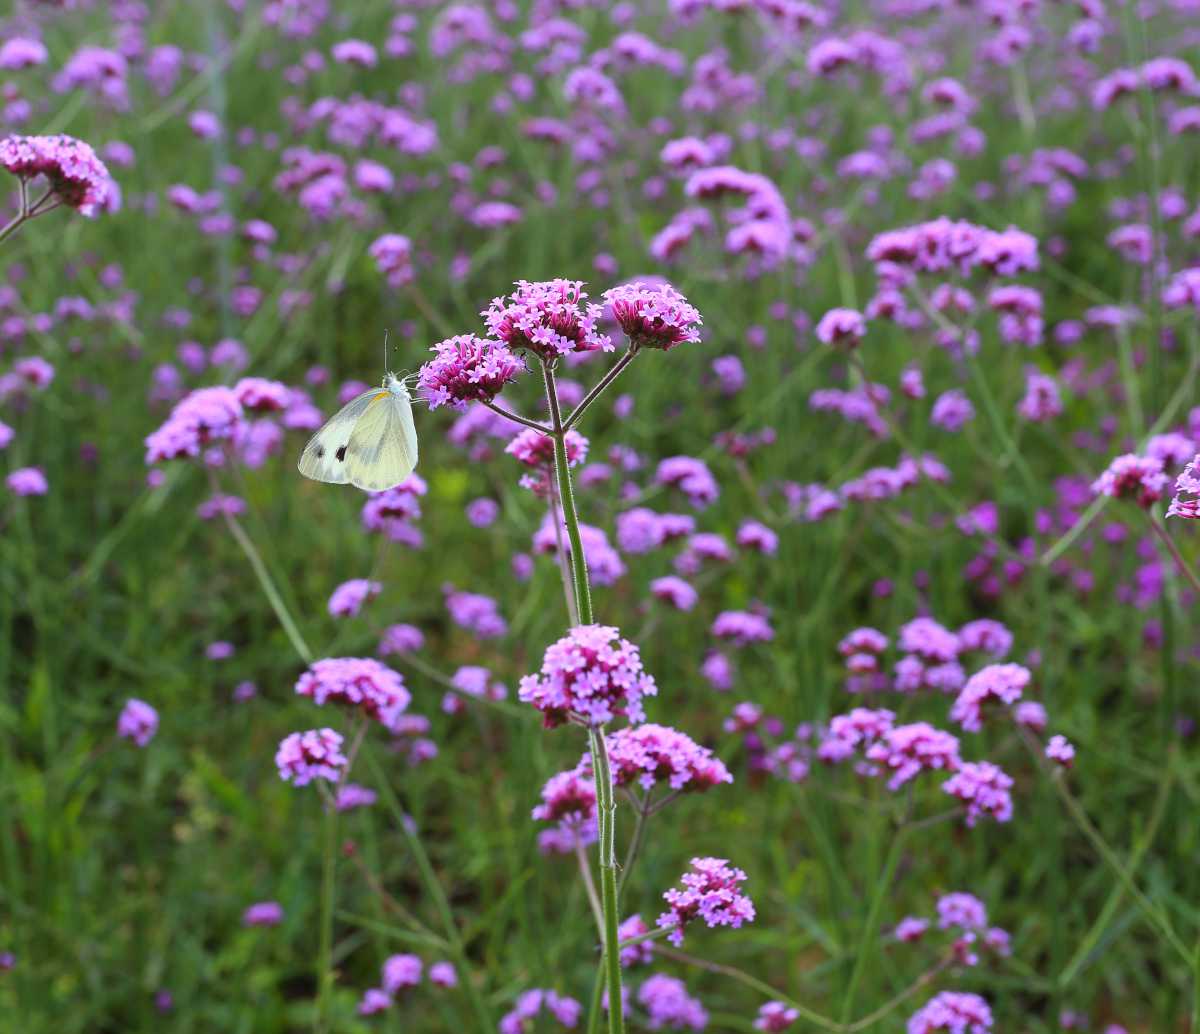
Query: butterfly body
[(370, 443)]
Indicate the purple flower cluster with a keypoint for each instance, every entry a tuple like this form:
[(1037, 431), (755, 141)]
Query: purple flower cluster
[(466, 369), (708, 891), (475, 612), (952, 1012), (549, 318), (348, 598), (205, 417), (653, 315), (945, 245), (1002, 682), (357, 682), (668, 1005), (984, 789), (907, 750), (1140, 478), (316, 754), (76, 177), (564, 1010), (649, 754), (590, 675), (138, 721)]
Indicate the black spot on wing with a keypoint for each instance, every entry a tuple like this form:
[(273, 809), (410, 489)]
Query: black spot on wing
[(320, 451), (341, 453)]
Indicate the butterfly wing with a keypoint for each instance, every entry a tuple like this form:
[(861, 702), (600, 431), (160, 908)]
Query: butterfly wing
[(325, 457), (382, 450)]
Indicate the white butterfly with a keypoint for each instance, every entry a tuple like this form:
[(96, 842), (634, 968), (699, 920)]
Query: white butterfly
[(370, 442)]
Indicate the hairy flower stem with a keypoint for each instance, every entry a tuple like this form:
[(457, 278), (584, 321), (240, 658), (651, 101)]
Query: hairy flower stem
[(516, 418), (1165, 538), (606, 810), (601, 387)]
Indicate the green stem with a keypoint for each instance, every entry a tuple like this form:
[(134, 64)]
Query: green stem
[(761, 986), (601, 772), (433, 888), (601, 387), (870, 934), (325, 954), (516, 418), (566, 495), (264, 579), (1164, 537), (1080, 817), (606, 811)]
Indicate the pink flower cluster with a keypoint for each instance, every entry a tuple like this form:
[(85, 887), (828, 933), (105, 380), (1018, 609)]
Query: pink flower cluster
[(1140, 478), (984, 789), (944, 245), (653, 315), (907, 750), (1187, 484), (952, 1012), (569, 800), (357, 682), (566, 1011), (708, 891), (316, 754), (138, 721), (651, 754), (590, 675), (466, 369), (1002, 682), (549, 318), (77, 178)]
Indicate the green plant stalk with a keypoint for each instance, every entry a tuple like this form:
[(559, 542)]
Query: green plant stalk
[(325, 954), (601, 773), (866, 947), (433, 888)]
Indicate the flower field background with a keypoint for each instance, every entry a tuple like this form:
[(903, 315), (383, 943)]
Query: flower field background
[(853, 346)]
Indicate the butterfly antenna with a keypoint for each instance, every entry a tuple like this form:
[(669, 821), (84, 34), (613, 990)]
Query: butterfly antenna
[(385, 359)]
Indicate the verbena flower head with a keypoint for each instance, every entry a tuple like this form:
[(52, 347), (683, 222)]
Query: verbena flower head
[(983, 788), (591, 675), (569, 801), (653, 315), (26, 481), (138, 721), (775, 1016), (651, 754), (907, 750), (1140, 478), (316, 754), (475, 612), (77, 177), (1187, 484), (668, 1004), (952, 1012), (263, 913), (1060, 750), (1003, 682), (549, 318), (742, 627), (962, 911), (638, 954), (466, 369), (841, 327), (400, 972), (205, 417), (359, 682), (709, 891), (564, 1010), (349, 597)]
